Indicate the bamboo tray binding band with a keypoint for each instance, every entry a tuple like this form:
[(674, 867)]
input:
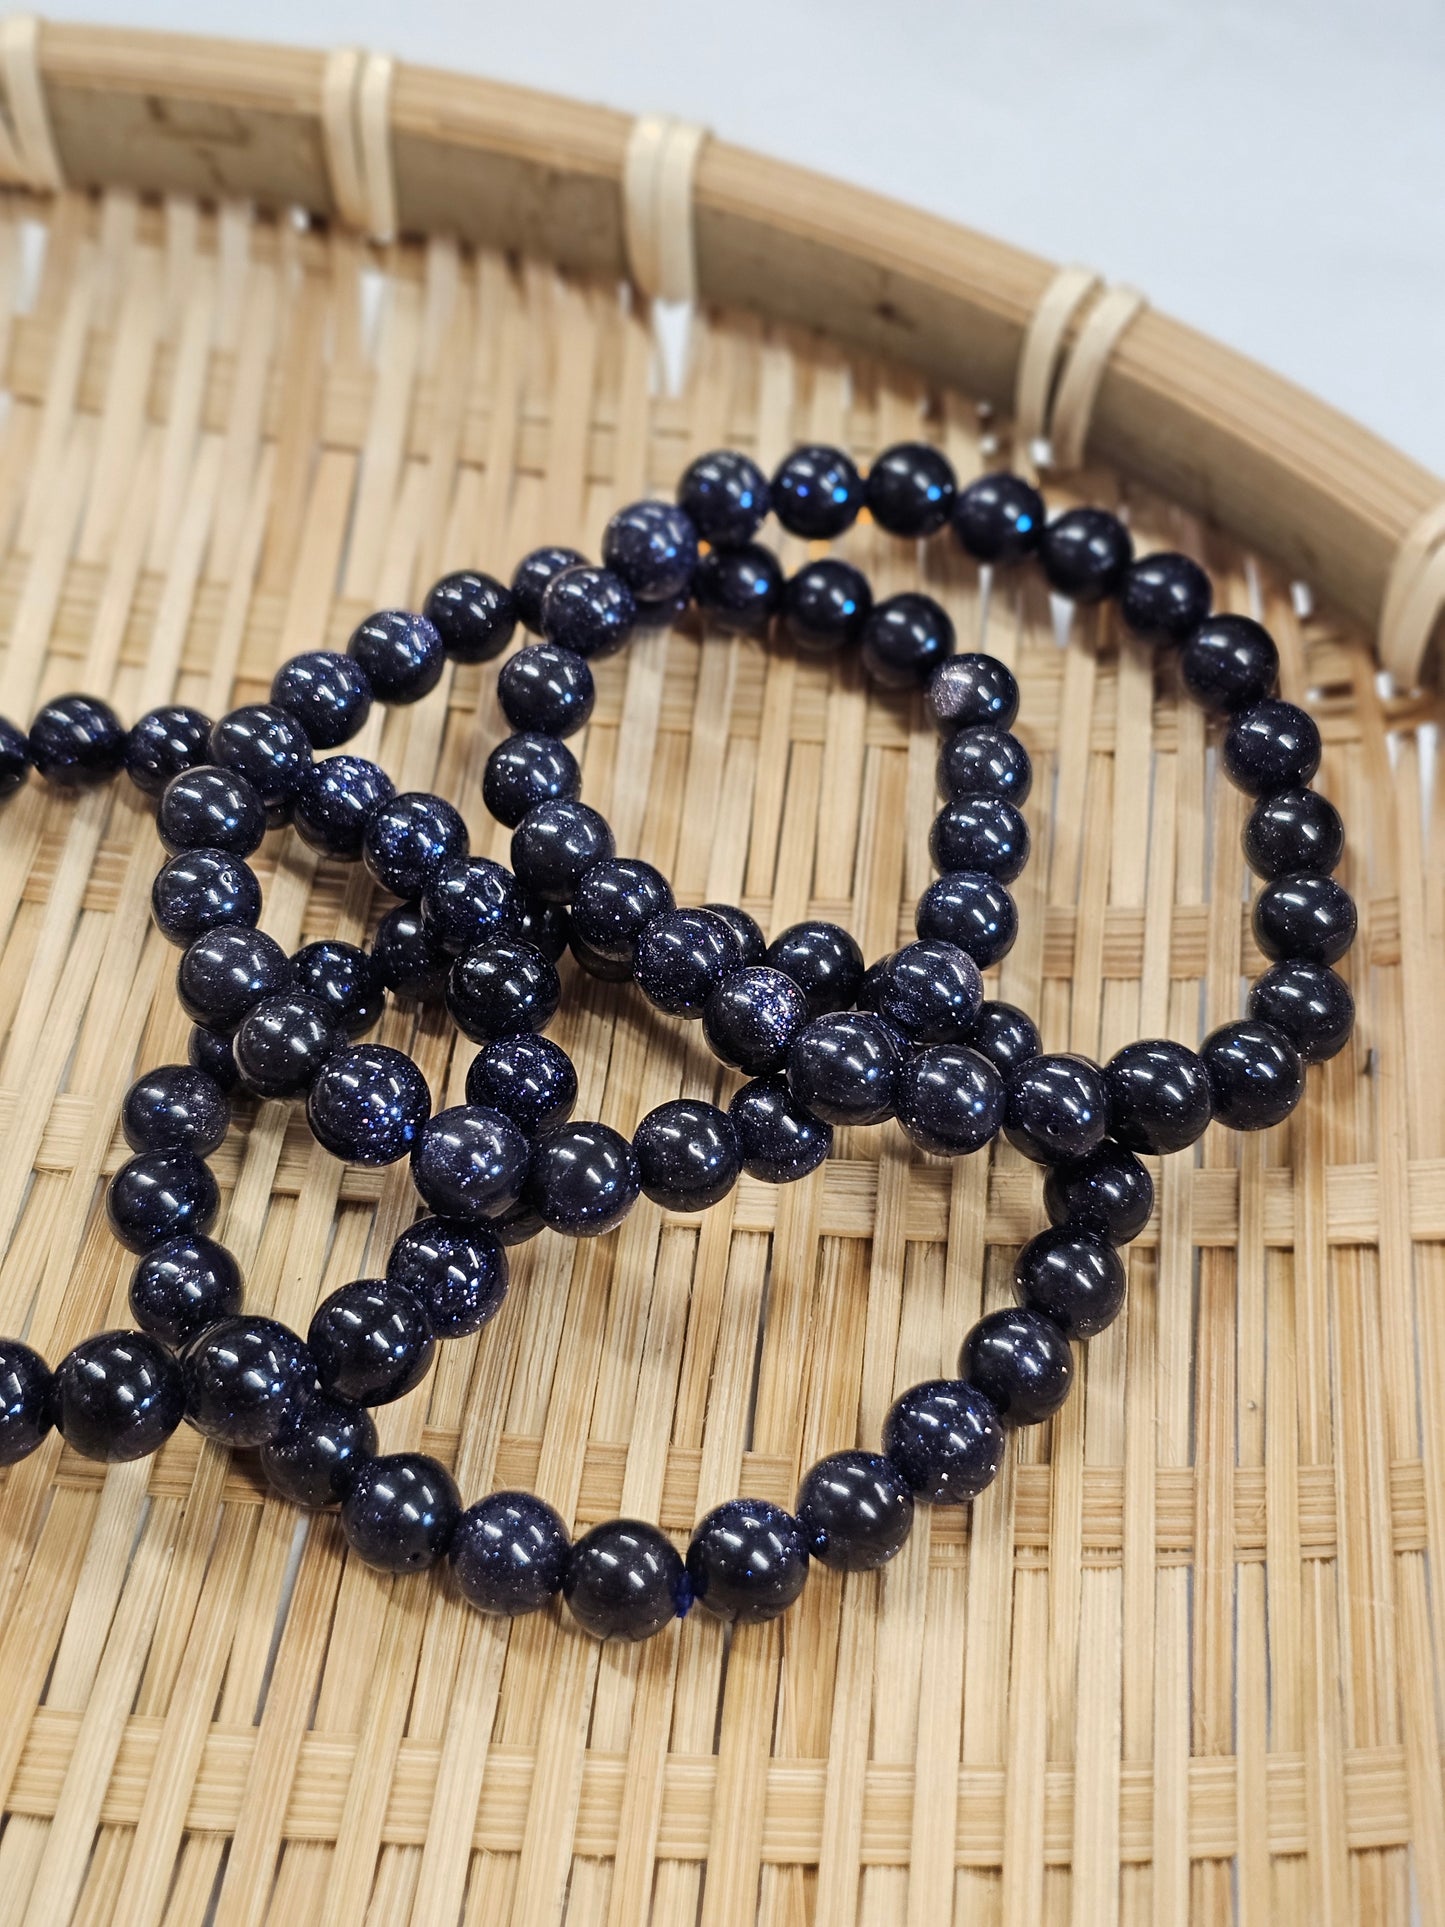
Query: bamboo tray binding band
[(1185, 1659)]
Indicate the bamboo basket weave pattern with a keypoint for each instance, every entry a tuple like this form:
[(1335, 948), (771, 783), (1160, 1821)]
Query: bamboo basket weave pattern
[(1182, 1661)]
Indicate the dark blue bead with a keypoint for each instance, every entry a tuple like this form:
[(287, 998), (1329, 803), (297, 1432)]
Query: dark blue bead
[(982, 833), (165, 742), (972, 689), (555, 845), (584, 1179), (547, 689), (1021, 1362), (210, 1051), (281, 1043), (525, 770), (969, 909), (474, 614), (999, 518), (752, 1017), (26, 1392), (614, 902), (946, 1440), (817, 492), (267, 745), (653, 547), (1229, 664), (314, 1459), (243, 1379), (1165, 597), (1256, 1075), (371, 1342), (117, 1396), (739, 590), (1292, 831), (502, 990), (159, 1195), (175, 1108), (509, 1554), (77, 742), (334, 802), (457, 1271), (911, 489), (752, 944), (14, 758), (949, 1100), (726, 497), (1271, 746), (535, 574), (984, 761), (528, 1079), (470, 900), (344, 980), (905, 639), (546, 926), (470, 1162), (1304, 916), (624, 1580), (401, 1512), (779, 1141), (687, 1153), (1309, 1004), (1158, 1096), (823, 960), (747, 1561), (401, 653), (1005, 1036), (368, 1104), (183, 1285), (680, 959), (931, 991), (226, 971), (856, 1511), (605, 969), (589, 611), (409, 962), (825, 606), (843, 1067), (210, 809), (1058, 1108), (408, 839), (1108, 1193), (1085, 553), (1072, 1278), (328, 694)]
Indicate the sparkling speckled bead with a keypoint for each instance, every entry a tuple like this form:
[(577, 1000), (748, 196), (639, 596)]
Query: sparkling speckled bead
[(1304, 916), (652, 546), (117, 1396), (76, 742), (589, 611), (408, 838), (455, 1269), (823, 960), (739, 590), (984, 834), (474, 614), (267, 745), (752, 1017), (210, 1051), (1255, 1074), (175, 1108), (949, 1100), (281, 1043), (181, 1286), (470, 901), (999, 518), (1072, 1278), (318, 1451), (555, 845), (817, 492), (687, 1154), (1159, 1096), (525, 770), (624, 1580), (534, 575), (502, 990), (159, 1195), (904, 639), (1229, 663), (371, 1342), (226, 971), (401, 653), (509, 1554), (26, 1394), (328, 694), (855, 1510), (613, 904), (984, 761), (1271, 746), (972, 910), (335, 798), (1108, 1193), (1295, 830), (469, 1162), (407, 959), (211, 809), (1005, 1035), (1165, 597), (971, 689), (725, 496), (367, 1104), (747, 1561), (400, 1512), (344, 980), (165, 742), (243, 1379), (825, 605), (1021, 1362), (779, 1140), (1085, 553), (752, 944), (843, 1067), (681, 957), (200, 890), (546, 688), (1058, 1108), (1309, 1004), (931, 991), (945, 1438), (910, 489), (527, 1078), (583, 1179), (15, 758)]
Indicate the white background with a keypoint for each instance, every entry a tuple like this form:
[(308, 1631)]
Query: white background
[(1273, 173)]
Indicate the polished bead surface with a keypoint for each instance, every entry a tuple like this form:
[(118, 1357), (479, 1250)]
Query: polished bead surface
[(778, 1139), (181, 1286), (318, 1451), (1021, 1362), (1108, 1193), (469, 901), (739, 590), (613, 904), (158, 1195), (843, 1067), (652, 546), (401, 653), (371, 1342), (344, 980), (931, 991), (817, 492), (525, 770), (583, 1179), (984, 761), (408, 838), (367, 1104), (15, 758), (546, 688), (1073, 1278), (1005, 1035), (725, 496), (470, 1162), (201, 889), (455, 1269), (1085, 553), (911, 489), (1058, 1108), (624, 1580), (1229, 663), (999, 518), (527, 1078), (1271, 746), (407, 958), (212, 809), (823, 960), (26, 1390), (972, 910), (546, 926), (1294, 830), (117, 1396), (336, 797), (1159, 1098), (946, 1441), (243, 1379), (752, 944), (502, 990), (752, 1017), (747, 1561), (982, 833), (687, 1154), (904, 639), (589, 611), (164, 743), (210, 1051), (971, 689), (76, 742), (1256, 1075), (1309, 1004), (825, 605), (281, 1043), (328, 694), (516, 1226), (949, 1100), (400, 1512), (175, 1108), (509, 1554), (474, 614), (226, 971), (1165, 597), (1305, 916), (680, 958), (534, 575), (607, 970), (267, 745), (555, 845), (855, 1510)]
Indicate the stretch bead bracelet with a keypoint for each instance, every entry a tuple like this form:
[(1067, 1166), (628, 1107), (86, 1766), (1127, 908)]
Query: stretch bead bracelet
[(922, 1044)]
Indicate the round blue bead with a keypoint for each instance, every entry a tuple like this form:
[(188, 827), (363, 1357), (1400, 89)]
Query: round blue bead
[(687, 1154), (117, 1396), (973, 911), (1073, 1278), (946, 1440), (534, 575), (474, 615), (1058, 1108), (949, 1100), (1085, 554), (160, 1195), (1021, 1362), (624, 1580), (335, 800), (76, 742), (163, 743), (780, 1142), (502, 990), (408, 961), (244, 1377), (527, 1078), (281, 1043), (752, 1017), (470, 1162), (371, 1342), (328, 694), (590, 611), (825, 606), (201, 889), (525, 770), (614, 902), (904, 640), (226, 971), (739, 590), (843, 1067), (725, 496), (1005, 1036), (468, 901), (267, 745), (183, 1285), (401, 653), (984, 761), (747, 1561), (26, 1394), (368, 1104), (509, 1553), (210, 1051), (14, 758), (999, 518), (547, 689), (583, 1179), (1108, 1193), (455, 1269), (555, 845), (314, 1459), (175, 1108), (1165, 597), (653, 547), (931, 991), (681, 957), (210, 809), (823, 960), (344, 980), (408, 838), (400, 1512), (910, 489), (984, 834), (817, 492), (855, 1510), (971, 689)]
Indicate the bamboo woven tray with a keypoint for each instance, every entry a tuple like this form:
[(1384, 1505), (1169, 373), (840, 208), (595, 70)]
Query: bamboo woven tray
[(1184, 1660)]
